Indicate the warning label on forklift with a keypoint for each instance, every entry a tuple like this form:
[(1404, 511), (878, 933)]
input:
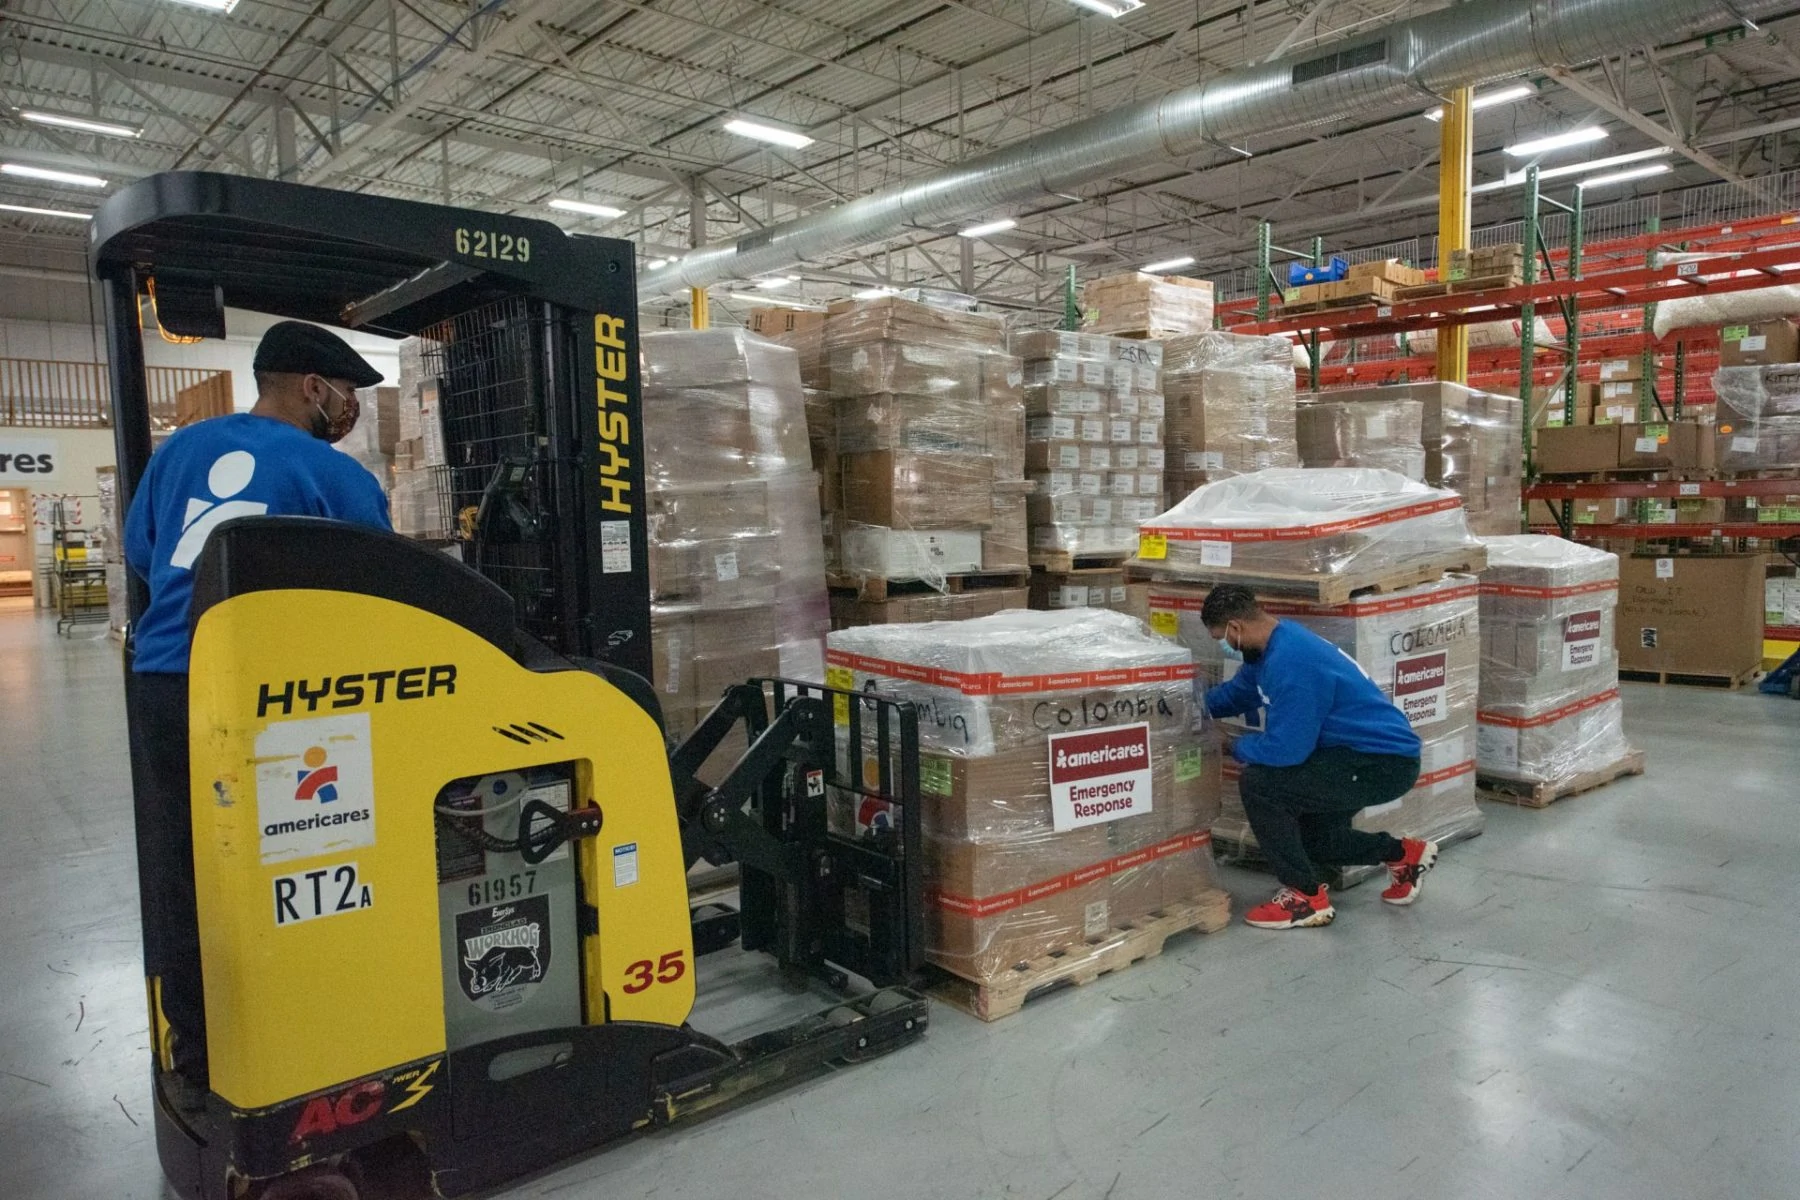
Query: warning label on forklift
[(1099, 776), (505, 951), (625, 871), (615, 547), (315, 787)]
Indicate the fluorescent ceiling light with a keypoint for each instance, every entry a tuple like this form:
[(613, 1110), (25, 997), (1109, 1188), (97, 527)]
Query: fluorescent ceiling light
[(776, 301), (222, 6), (1516, 178), (1169, 264), (49, 176), (874, 293), (779, 281), (767, 133), (1622, 176), (1489, 99), (981, 231), (582, 206), (1561, 141), (46, 212), (1109, 8), (81, 123)]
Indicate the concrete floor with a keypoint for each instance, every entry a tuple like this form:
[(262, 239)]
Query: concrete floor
[(1591, 1001)]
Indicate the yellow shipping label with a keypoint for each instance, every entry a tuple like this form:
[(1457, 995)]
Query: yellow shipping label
[(1152, 546), (1165, 622), (845, 679)]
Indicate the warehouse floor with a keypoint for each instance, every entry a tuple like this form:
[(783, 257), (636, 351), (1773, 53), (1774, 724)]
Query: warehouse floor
[(1594, 1000)]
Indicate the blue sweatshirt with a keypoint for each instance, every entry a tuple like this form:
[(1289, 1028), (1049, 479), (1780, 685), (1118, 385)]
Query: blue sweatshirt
[(1316, 696), (240, 465)]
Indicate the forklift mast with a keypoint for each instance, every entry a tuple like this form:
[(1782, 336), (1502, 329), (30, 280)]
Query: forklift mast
[(530, 332)]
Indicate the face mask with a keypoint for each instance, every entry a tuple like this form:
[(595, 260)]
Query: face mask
[(1229, 651), (334, 429)]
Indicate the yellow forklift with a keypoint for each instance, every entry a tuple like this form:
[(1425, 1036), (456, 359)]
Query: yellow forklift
[(441, 845)]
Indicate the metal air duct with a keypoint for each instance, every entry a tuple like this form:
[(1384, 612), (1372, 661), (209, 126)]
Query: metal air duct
[(1384, 71)]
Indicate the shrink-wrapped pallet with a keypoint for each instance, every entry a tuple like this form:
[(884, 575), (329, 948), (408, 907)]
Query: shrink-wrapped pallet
[(1065, 791), (737, 569), (1231, 407), (1757, 419), (1288, 527), (1094, 429), (1385, 435), (1549, 706), (1149, 305)]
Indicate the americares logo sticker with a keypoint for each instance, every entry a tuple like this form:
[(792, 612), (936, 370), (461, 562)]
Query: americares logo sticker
[(315, 787)]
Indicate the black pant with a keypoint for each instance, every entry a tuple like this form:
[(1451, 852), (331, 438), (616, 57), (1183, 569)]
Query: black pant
[(1301, 815), (158, 707)]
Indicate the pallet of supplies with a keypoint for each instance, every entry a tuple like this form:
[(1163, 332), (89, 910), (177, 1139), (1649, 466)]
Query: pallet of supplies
[(1067, 796), (1385, 435), (1231, 407), (1320, 534), (1757, 419), (1146, 305)]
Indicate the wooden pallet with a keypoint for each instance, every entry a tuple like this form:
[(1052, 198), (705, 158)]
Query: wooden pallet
[(1542, 793), (1322, 589), (1724, 683), (878, 590), (1086, 962), (1480, 283), (1365, 300), (1061, 563)]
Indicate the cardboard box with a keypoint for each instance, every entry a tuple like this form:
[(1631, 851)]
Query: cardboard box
[(1099, 587), (1666, 446), (878, 552), (1614, 414), (1759, 343), (1691, 614), (909, 490), (1577, 449), (1616, 370), (1006, 543), (847, 612), (784, 320), (1390, 269), (1626, 392), (1375, 290)]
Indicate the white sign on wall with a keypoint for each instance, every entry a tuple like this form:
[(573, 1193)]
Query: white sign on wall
[(28, 461)]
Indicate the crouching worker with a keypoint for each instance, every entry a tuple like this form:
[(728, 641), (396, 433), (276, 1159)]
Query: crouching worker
[(1332, 745)]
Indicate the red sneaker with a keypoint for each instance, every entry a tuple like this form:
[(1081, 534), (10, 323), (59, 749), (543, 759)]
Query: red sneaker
[(1289, 909), (1408, 873)]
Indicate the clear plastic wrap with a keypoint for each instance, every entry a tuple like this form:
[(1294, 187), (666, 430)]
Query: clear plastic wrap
[(1471, 440), (737, 567), (897, 319), (1421, 645), (849, 611), (1006, 542), (1005, 884), (1094, 440), (1230, 402), (1158, 305), (1385, 435), (1757, 418), (1726, 308), (1440, 807), (1348, 521), (1556, 745)]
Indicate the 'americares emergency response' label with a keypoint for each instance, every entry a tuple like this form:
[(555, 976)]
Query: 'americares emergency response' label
[(1099, 776), (1581, 640), (1422, 687)]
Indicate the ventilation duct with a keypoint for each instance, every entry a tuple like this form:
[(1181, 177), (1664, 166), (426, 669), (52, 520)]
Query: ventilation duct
[(1386, 72)]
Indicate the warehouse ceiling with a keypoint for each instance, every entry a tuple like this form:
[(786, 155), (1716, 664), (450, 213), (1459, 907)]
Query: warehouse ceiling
[(507, 104)]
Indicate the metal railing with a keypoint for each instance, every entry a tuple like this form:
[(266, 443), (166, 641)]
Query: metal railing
[(43, 393)]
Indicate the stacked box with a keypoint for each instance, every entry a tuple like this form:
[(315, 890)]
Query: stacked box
[(1384, 435), (1094, 424), (1089, 587), (1471, 441), (1758, 417), (850, 611), (1421, 646), (1231, 408), (1484, 262), (737, 571), (1065, 790), (1147, 305), (1549, 706), (928, 415), (1296, 524), (415, 503)]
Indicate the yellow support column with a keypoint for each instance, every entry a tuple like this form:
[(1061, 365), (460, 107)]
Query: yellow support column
[(1454, 158), (700, 316)]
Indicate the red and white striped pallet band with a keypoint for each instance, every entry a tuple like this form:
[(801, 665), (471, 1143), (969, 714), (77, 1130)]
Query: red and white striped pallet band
[(987, 906), (1551, 717)]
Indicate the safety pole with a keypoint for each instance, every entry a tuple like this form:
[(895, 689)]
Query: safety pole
[(699, 311), (1454, 180)]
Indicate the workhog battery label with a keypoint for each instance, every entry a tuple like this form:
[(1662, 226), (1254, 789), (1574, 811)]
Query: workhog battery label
[(1099, 776), (1422, 688), (504, 952), (1581, 640), (315, 787)]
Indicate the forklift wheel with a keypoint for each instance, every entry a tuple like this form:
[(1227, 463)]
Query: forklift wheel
[(314, 1183)]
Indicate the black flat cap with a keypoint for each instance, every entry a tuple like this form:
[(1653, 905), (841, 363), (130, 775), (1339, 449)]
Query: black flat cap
[(296, 348)]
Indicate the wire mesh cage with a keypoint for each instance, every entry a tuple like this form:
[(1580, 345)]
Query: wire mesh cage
[(494, 489)]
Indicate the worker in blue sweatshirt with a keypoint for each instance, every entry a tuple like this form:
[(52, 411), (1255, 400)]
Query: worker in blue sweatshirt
[(1332, 745), (275, 459)]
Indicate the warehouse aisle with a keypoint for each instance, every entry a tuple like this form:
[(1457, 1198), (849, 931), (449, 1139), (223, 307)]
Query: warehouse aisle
[(1591, 1000)]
